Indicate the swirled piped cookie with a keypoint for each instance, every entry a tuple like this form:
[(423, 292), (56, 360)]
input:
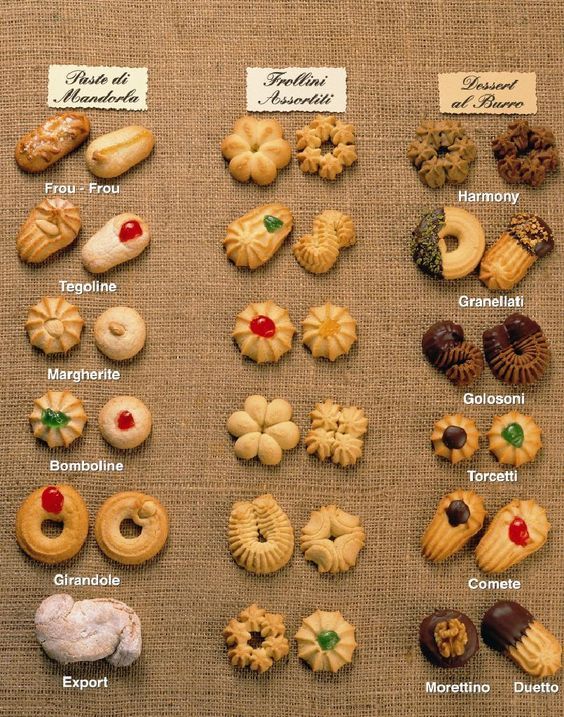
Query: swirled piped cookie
[(261, 537), (329, 331), (263, 332), (455, 438), (332, 539), (54, 325), (318, 251), (256, 625), (326, 641), (58, 418), (251, 240), (336, 433), (514, 438)]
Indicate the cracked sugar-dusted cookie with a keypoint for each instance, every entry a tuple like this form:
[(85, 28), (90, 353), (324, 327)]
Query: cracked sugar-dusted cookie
[(263, 332), (326, 641), (58, 418), (261, 537), (256, 639), (518, 530), (459, 516), (455, 438), (54, 325), (336, 433), (125, 422), (52, 140), (514, 438), (332, 539), (329, 331), (251, 240), (120, 333), (51, 226)]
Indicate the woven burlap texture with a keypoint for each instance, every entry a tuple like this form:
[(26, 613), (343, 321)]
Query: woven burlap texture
[(192, 376)]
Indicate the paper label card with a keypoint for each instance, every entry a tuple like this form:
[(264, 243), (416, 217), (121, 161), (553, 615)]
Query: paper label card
[(494, 93), (293, 89), (108, 88)]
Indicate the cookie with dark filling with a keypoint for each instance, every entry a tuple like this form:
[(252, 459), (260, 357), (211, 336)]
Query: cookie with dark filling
[(455, 438)]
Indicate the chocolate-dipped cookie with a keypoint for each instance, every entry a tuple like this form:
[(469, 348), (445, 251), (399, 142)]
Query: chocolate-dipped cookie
[(448, 638), (444, 347)]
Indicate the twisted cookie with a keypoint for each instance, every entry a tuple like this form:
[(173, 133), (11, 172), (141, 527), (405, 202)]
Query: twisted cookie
[(445, 348), (332, 539)]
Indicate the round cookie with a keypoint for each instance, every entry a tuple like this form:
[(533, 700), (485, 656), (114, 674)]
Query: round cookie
[(448, 638), (326, 641), (125, 422), (58, 418), (120, 333), (54, 325), (455, 438)]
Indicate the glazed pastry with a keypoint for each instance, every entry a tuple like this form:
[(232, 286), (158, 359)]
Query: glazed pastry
[(125, 422), (336, 433), (460, 515), (268, 628), (51, 226), (263, 332), (120, 333), (444, 347), (58, 418), (255, 237), (146, 512), (511, 629), (55, 137), (326, 641), (256, 150), (261, 537), (448, 638), (332, 231), (88, 630), (526, 239), (525, 154), (442, 152), (326, 128), (53, 325), (121, 239), (518, 530), (455, 438), (332, 539), (113, 154), (329, 331), (517, 351), (514, 438), (263, 429), (60, 504), (429, 248)]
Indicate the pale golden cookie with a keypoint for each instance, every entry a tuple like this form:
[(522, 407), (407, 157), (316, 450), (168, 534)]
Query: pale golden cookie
[(263, 429), (251, 240), (326, 128), (326, 641), (459, 516), (332, 539), (338, 222), (261, 537), (518, 530), (112, 154), (125, 422), (514, 438), (263, 332), (269, 632), (332, 231), (51, 226), (455, 438), (336, 433), (120, 333), (54, 325), (329, 331), (58, 418), (121, 239)]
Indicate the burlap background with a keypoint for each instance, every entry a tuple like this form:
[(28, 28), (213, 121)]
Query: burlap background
[(192, 376)]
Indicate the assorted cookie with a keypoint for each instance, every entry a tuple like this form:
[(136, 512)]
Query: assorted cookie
[(51, 226), (448, 638), (58, 418), (125, 422), (514, 438), (326, 129), (336, 433), (256, 639), (263, 332), (332, 539), (329, 331), (121, 239), (120, 333), (444, 347), (113, 154), (524, 154), (332, 231), (251, 240), (455, 438), (326, 641), (54, 325), (52, 140)]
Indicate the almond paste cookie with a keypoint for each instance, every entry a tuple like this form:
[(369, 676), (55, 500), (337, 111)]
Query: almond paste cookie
[(52, 140), (125, 422), (518, 530), (255, 237), (121, 239), (263, 332), (120, 333), (261, 537), (309, 140), (112, 154), (329, 331), (326, 641), (514, 438), (455, 438), (336, 433), (54, 325), (51, 226), (267, 629), (332, 539), (318, 251), (460, 515), (58, 418)]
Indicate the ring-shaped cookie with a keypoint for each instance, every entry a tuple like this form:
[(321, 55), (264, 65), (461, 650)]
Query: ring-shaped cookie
[(60, 504), (143, 510)]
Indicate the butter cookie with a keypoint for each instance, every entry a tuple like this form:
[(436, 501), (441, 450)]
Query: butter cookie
[(54, 325), (332, 231), (455, 438), (256, 625), (326, 641), (58, 418), (332, 539), (329, 331), (255, 237), (263, 332), (309, 139), (336, 433), (514, 438)]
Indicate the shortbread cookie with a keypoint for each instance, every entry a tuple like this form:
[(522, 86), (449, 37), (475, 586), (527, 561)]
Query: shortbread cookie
[(52, 140), (332, 539), (263, 429), (455, 438), (261, 537), (121, 239), (336, 433), (511, 629), (112, 154), (256, 150), (459, 516), (54, 325), (125, 422), (255, 237), (329, 331), (448, 638), (51, 226), (267, 629), (309, 141), (263, 332), (332, 231), (514, 438), (518, 530), (58, 418), (326, 641), (120, 333)]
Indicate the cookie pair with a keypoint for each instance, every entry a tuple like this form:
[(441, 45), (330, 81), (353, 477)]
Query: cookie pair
[(518, 530)]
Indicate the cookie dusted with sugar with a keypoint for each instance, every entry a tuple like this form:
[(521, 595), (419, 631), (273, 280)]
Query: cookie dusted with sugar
[(263, 332), (254, 238)]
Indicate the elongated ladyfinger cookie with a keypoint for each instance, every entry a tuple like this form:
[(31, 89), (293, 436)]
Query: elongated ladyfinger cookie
[(113, 154)]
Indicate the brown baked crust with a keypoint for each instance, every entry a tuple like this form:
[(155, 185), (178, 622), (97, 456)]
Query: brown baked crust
[(444, 347), (442, 152), (524, 154), (52, 140)]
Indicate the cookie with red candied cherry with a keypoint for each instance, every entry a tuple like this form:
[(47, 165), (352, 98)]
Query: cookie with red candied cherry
[(125, 422)]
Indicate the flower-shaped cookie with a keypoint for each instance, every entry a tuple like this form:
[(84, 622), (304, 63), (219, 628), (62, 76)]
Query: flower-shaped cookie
[(332, 539), (263, 429), (54, 325), (455, 438), (58, 418), (336, 433), (268, 629), (318, 251), (514, 438), (326, 128), (256, 150), (525, 154), (326, 641), (329, 331), (263, 332)]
